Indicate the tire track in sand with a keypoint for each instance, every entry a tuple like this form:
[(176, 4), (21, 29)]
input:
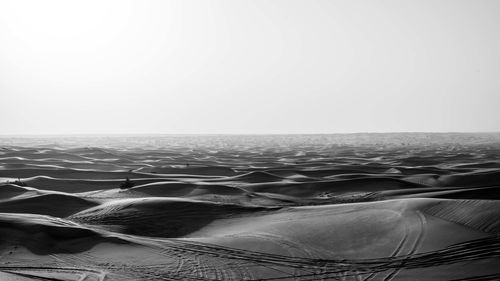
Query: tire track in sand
[(414, 248), (30, 271), (394, 253)]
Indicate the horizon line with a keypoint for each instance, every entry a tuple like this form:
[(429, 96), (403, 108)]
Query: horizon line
[(236, 134)]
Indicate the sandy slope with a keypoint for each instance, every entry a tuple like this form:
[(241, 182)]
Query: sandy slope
[(383, 207)]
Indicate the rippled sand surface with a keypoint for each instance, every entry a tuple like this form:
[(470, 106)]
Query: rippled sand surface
[(310, 207)]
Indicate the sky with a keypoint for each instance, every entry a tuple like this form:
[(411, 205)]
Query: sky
[(249, 66)]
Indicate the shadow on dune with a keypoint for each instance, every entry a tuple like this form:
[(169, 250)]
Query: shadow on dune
[(44, 235), (160, 217), (57, 205)]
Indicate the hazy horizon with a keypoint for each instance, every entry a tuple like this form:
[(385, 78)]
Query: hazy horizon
[(249, 67), (245, 134)]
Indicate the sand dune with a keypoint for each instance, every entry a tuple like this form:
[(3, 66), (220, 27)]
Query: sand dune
[(53, 204), (44, 235), (181, 189), (195, 170), (11, 190), (254, 177), (472, 179), (352, 207), (332, 188), (162, 217)]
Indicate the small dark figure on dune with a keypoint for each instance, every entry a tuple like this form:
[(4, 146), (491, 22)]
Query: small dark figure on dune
[(19, 182), (127, 184)]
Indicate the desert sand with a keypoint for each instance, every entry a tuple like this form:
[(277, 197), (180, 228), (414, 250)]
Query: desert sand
[(312, 207)]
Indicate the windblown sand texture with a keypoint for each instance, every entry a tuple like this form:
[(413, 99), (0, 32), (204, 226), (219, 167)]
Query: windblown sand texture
[(312, 207)]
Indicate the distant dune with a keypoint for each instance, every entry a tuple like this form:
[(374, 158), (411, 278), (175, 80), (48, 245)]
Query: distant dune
[(341, 207)]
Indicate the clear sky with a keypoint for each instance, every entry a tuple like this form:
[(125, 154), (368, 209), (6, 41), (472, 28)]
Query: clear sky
[(276, 66)]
